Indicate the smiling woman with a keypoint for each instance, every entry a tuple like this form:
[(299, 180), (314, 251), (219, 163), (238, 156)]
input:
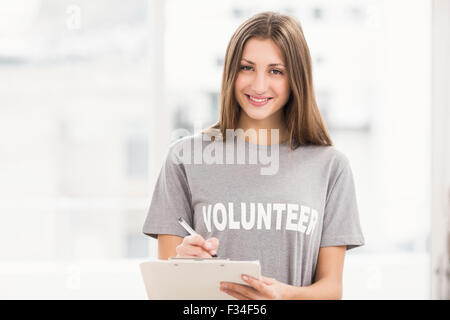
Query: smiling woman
[(267, 82), (298, 220), (262, 90)]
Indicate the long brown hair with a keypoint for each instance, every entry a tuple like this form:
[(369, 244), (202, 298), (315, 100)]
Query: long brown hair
[(302, 116)]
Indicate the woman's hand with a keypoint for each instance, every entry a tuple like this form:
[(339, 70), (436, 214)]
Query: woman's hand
[(196, 246), (264, 289)]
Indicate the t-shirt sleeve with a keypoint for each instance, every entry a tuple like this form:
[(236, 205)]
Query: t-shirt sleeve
[(341, 225), (171, 199)]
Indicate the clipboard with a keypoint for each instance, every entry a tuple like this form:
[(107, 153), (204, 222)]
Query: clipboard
[(194, 278)]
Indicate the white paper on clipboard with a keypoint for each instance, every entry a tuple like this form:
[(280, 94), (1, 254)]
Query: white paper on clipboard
[(194, 279)]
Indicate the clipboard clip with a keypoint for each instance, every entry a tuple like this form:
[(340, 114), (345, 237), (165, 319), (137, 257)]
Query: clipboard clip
[(221, 261), (199, 259)]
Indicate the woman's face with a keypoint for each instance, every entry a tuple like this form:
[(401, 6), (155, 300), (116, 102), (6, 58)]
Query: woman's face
[(263, 76)]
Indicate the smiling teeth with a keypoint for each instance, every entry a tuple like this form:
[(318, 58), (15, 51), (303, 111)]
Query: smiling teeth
[(258, 100)]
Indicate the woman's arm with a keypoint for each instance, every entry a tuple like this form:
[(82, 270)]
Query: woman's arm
[(327, 285), (167, 245), (328, 279)]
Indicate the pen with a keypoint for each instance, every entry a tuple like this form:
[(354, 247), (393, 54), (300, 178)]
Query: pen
[(190, 230)]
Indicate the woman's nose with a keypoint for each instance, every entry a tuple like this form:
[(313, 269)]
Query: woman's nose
[(259, 84)]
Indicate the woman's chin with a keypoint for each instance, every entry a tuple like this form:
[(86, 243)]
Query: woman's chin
[(257, 114)]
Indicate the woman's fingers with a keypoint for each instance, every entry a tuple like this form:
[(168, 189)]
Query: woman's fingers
[(197, 246), (212, 245), (186, 251), (193, 251), (194, 240)]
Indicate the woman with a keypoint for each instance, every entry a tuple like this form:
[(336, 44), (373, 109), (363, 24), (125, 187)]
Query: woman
[(299, 219)]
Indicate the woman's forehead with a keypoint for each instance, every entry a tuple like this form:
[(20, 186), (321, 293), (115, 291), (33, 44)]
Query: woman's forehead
[(264, 52)]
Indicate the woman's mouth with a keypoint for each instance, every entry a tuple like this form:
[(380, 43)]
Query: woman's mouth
[(257, 102)]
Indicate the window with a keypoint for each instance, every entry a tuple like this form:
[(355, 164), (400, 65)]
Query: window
[(137, 156)]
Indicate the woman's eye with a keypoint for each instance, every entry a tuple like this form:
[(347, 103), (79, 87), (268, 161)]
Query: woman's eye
[(275, 70), (278, 71)]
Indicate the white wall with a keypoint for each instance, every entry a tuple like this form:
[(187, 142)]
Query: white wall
[(441, 151)]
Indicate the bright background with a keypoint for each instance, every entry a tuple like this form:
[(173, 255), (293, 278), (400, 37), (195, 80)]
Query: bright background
[(80, 145)]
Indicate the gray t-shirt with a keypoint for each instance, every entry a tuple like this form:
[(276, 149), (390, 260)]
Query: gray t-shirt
[(281, 217)]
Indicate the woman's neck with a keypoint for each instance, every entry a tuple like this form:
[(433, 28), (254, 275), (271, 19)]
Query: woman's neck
[(275, 133)]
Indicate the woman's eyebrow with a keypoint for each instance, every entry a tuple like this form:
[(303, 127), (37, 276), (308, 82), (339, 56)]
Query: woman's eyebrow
[(270, 65)]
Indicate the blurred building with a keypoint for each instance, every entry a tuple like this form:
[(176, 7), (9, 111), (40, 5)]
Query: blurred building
[(74, 131)]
